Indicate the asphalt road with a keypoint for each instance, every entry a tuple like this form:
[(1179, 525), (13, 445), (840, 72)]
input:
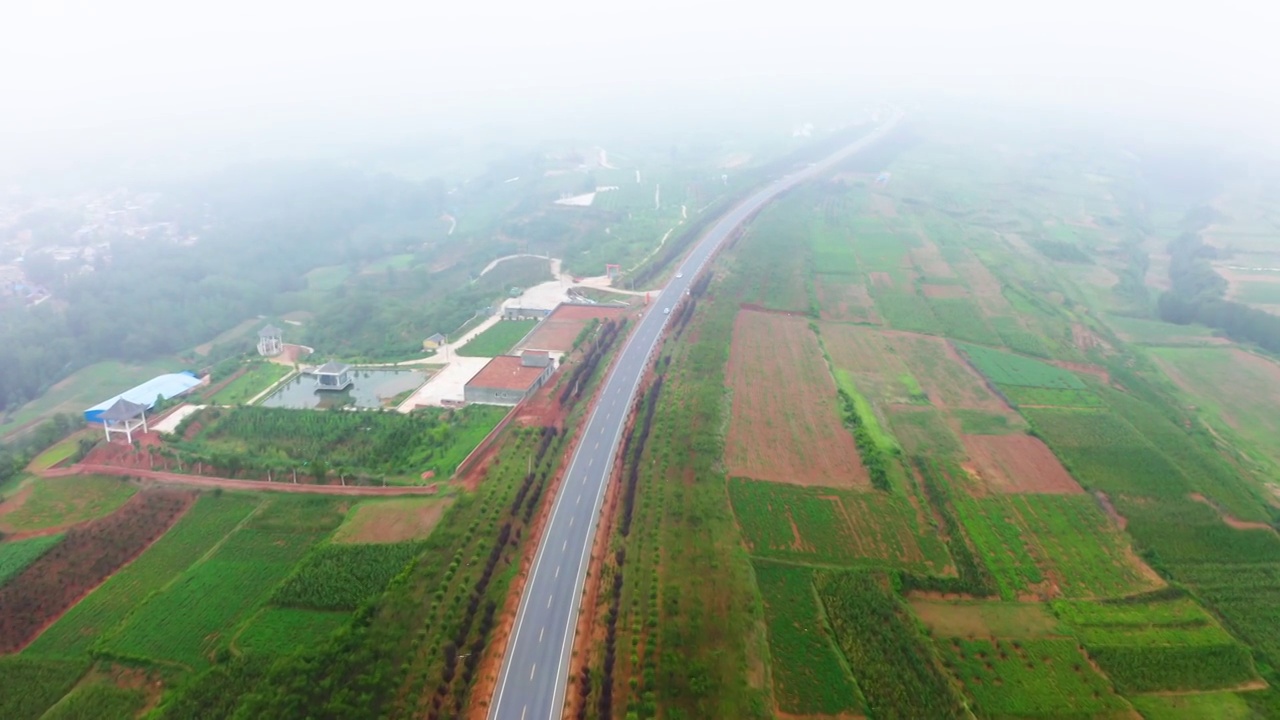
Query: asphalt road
[(535, 668)]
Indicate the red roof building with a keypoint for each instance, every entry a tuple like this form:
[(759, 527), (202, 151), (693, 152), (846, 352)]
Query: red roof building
[(508, 379)]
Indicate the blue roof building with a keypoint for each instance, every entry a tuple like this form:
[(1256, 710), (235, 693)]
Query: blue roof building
[(163, 386)]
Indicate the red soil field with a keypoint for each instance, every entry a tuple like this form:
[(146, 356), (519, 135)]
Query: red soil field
[(785, 425), (558, 331), (1018, 464), (87, 556), (845, 301), (881, 279), (944, 291), (930, 261)]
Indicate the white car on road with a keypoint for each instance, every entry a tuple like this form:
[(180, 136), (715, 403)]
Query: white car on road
[(679, 275)]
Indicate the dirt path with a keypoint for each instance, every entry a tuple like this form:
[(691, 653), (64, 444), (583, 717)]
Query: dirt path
[(1234, 522), (232, 484)]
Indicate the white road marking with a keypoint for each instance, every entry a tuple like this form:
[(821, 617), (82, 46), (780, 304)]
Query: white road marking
[(557, 571), (540, 632), (579, 501), (590, 460), (549, 599), (597, 447), (570, 521), (532, 670), (523, 710), (565, 545)]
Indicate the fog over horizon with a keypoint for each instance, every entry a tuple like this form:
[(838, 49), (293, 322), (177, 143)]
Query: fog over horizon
[(88, 82)]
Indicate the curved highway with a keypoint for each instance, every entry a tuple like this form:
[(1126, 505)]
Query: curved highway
[(535, 668)]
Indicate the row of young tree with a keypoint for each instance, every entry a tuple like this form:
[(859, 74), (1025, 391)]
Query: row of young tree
[(1197, 294)]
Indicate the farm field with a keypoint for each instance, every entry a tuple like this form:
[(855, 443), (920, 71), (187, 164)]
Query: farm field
[(204, 526), (59, 451), (279, 630), (391, 521), (261, 439), (562, 328), (16, 555), (1200, 706), (185, 622), (88, 554), (85, 388), (785, 522), (499, 339), (970, 619), (789, 432), (1018, 464), (257, 377), (1241, 389), (808, 676), (60, 502), (327, 278)]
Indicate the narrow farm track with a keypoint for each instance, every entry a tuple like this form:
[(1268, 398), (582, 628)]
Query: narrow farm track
[(169, 478)]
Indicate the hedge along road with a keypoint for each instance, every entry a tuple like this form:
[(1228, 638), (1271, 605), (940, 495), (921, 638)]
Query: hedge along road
[(534, 676)]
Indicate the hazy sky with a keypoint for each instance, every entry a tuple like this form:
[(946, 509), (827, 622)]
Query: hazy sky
[(79, 75)]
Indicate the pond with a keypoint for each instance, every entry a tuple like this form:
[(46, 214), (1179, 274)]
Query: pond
[(373, 389)]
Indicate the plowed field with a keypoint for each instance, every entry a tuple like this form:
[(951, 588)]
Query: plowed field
[(561, 328), (785, 424), (1018, 464), (88, 554)]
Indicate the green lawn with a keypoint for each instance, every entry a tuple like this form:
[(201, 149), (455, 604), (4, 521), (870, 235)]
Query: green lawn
[(258, 377), (391, 262), (66, 501), (85, 388), (498, 339), (58, 452), (327, 278)]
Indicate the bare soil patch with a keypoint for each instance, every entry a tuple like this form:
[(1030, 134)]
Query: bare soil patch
[(1018, 464), (1086, 339), (1094, 370), (1110, 509), (984, 286), (977, 619), (845, 302), (1234, 522), (390, 521), (785, 425), (558, 331), (881, 279), (928, 259), (944, 291)]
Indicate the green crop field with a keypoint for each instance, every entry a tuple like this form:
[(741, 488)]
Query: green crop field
[(58, 452), (904, 310), (203, 527), (924, 432), (1005, 368), (257, 377), (98, 702), (342, 576), (888, 657), (808, 674), (1028, 678), (59, 502), (833, 251), (31, 685), (1017, 338), (979, 422), (499, 339), (191, 617), (963, 320), (1201, 706), (16, 555), (1022, 395), (277, 631), (825, 526)]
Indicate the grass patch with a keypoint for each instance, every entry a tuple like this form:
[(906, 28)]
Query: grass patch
[(257, 377), (84, 388), (1199, 706), (986, 619), (56, 453), (1020, 395), (327, 278), (59, 502), (925, 432), (498, 339), (16, 555)]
